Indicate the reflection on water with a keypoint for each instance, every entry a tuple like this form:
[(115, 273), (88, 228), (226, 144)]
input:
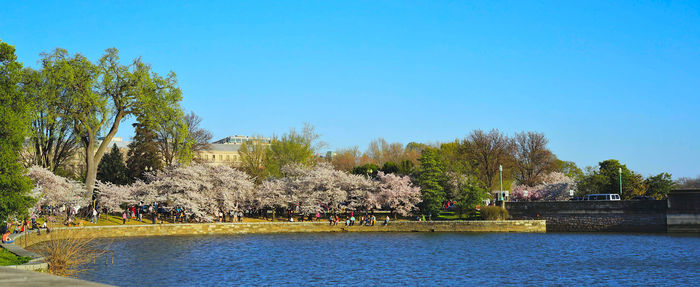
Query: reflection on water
[(446, 259)]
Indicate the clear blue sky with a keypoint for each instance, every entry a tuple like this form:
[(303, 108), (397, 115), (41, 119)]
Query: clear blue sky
[(601, 80)]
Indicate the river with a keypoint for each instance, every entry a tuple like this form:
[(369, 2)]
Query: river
[(367, 259)]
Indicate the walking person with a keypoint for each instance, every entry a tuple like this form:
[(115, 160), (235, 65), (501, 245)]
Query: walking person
[(94, 216), (124, 218), (153, 213)]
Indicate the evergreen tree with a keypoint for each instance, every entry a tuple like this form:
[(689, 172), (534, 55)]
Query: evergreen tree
[(14, 185), (143, 153), (406, 167), (390, 167), (431, 181), (112, 168), (368, 169)]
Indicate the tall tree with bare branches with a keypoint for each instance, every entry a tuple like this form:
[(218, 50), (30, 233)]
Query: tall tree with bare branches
[(486, 151), (532, 158)]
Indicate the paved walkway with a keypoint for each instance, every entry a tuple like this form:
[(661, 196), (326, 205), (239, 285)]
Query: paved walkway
[(19, 251), (37, 261), (22, 278)]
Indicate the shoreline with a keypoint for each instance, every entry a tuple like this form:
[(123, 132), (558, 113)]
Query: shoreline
[(25, 240)]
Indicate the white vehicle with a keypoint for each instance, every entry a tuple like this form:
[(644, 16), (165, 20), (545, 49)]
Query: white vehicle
[(609, 196)]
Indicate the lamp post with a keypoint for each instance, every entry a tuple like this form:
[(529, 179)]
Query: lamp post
[(500, 194), (619, 171)]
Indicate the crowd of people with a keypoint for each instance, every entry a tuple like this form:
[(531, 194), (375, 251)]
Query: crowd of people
[(8, 228), (159, 213), (364, 220)]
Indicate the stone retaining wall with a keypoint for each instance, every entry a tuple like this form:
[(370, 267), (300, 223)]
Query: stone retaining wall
[(684, 210), (282, 227), (594, 216)]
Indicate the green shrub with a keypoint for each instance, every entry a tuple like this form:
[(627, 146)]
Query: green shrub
[(494, 213)]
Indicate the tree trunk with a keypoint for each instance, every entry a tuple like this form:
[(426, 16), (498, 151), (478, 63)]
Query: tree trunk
[(90, 167), (95, 155)]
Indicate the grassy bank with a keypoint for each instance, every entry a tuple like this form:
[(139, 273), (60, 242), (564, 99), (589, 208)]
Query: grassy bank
[(7, 258)]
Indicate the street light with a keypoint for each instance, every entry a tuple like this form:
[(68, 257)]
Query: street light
[(500, 195), (619, 170)]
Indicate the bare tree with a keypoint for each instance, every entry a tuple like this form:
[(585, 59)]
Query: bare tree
[(380, 151), (532, 158), (179, 136), (171, 136), (375, 150), (687, 182), (346, 159), (197, 136), (486, 151)]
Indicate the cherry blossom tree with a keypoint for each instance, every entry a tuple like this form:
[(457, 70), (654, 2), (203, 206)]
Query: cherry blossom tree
[(231, 189), (51, 189), (397, 193), (269, 194), (554, 186), (112, 196), (314, 189), (200, 189), (360, 189)]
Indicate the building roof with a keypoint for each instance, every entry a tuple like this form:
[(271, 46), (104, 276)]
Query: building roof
[(116, 141), (223, 147), (238, 139)]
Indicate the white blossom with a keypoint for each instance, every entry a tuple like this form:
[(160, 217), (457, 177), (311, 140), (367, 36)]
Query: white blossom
[(555, 186), (397, 193), (51, 189)]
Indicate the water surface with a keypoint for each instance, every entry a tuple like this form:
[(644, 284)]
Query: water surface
[(362, 259)]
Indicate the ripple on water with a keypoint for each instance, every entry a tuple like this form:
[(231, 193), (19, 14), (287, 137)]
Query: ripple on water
[(361, 259)]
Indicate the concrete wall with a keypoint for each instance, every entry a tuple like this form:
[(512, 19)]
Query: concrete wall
[(592, 216), (282, 227), (683, 210)]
